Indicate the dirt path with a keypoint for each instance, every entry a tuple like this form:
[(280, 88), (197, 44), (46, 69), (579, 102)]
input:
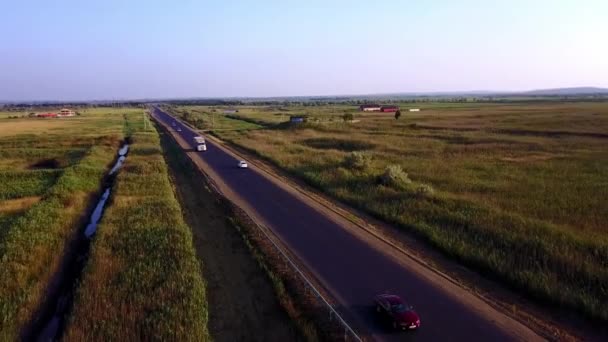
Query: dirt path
[(242, 302)]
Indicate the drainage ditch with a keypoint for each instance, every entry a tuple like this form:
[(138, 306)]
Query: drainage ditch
[(52, 319)]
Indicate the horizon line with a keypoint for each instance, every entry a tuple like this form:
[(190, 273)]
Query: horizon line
[(602, 90)]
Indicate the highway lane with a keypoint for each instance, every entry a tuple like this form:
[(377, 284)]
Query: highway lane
[(351, 269)]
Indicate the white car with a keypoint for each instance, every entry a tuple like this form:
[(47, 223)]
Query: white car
[(201, 147), (243, 164), (179, 129)]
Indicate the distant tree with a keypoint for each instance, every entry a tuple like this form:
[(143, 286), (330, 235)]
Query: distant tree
[(347, 117), (397, 115)]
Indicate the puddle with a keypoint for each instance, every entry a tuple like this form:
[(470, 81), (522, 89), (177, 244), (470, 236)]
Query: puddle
[(51, 326), (96, 216), (123, 150), (118, 164), (122, 153)]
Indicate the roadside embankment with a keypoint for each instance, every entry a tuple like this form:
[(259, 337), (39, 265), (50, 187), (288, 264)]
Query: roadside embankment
[(242, 300)]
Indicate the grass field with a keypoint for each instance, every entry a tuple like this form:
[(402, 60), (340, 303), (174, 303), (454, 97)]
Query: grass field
[(210, 118), (516, 191), (142, 280), (48, 178), (51, 172)]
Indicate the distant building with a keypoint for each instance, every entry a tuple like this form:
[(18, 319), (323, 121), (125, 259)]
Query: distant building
[(388, 109), (66, 112), (230, 111), (46, 115), (414, 109), (369, 107)]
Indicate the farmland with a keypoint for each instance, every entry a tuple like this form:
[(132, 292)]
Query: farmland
[(49, 176), (516, 191), (143, 277), (51, 171)]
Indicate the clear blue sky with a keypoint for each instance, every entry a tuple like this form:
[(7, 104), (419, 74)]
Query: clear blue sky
[(117, 49)]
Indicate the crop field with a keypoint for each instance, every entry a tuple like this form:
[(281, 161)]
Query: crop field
[(142, 280), (515, 190), (48, 178), (51, 172)]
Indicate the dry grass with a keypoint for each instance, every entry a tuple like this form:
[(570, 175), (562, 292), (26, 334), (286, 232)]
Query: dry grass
[(18, 205), (36, 126)]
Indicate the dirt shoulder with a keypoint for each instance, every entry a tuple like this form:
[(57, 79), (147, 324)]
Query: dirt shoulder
[(242, 301)]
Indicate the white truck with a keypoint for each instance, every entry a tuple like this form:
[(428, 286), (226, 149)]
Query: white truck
[(200, 143)]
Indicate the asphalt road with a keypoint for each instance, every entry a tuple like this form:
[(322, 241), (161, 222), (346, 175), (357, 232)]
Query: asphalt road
[(349, 267)]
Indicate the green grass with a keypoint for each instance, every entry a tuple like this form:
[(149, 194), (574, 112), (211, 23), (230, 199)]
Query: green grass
[(519, 189), (51, 172), (211, 118), (18, 184), (32, 247), (142, 281)]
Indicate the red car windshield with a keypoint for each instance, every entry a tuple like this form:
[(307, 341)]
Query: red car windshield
[(399, 308)]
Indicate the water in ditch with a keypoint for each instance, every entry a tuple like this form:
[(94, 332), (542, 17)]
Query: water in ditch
[(52, 323)]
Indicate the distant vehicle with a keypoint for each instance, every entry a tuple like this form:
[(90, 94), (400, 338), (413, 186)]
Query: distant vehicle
[(199, 140), (401, 315), (243, 164), (201, 147), (179, 129)]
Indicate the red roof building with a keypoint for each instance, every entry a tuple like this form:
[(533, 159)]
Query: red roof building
[(46, 115), (66, 112), (369, 107), (389, 109)]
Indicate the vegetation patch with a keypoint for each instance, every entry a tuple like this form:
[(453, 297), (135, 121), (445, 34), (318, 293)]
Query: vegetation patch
[(46, 164), (50, 173), (19, 204), (395, 176), (17, 184), (32, 247), (327, 143), (358, 161), (142, 281)]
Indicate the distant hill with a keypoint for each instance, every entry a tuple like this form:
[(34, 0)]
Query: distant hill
[(568, 91)]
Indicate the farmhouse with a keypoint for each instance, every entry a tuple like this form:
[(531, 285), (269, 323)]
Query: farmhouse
[(46, 115), (66, 112), (369, 107), (386, 109)]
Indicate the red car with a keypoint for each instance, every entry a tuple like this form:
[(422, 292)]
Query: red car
[(401, 314)]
